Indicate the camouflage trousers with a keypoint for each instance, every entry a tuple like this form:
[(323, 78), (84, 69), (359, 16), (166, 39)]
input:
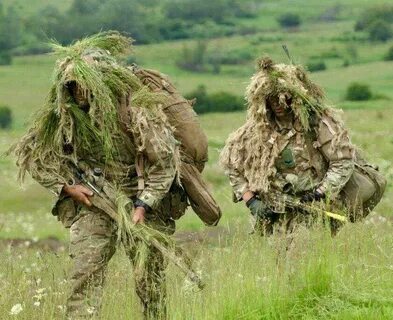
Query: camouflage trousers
[(93, 242)]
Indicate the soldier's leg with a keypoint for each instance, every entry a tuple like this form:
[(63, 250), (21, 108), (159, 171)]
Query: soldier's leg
[(264, 227), (92, 244), (150, 284), (149, 270)]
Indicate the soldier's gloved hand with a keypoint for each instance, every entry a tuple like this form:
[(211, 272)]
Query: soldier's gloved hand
[(258, 208), (312, 196), (78, 193)]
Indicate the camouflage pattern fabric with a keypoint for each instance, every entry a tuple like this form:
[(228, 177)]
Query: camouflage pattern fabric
[(92, 244), (101, 119), (312, 163)]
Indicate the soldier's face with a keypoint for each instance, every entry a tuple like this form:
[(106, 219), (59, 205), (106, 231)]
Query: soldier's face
[(78, 95), (280, 106)]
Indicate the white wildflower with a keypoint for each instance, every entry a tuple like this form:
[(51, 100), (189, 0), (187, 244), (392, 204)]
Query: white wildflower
[(91, 310), (40, 290), (37, 303), (16, 309), (61, 308)]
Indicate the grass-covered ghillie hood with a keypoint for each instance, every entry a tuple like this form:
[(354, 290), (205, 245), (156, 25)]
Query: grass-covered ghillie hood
[(252, 149), (61, 129)]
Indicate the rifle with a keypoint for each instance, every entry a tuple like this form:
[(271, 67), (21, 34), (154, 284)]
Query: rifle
[(142, 233), (291, 202), (296, 204)]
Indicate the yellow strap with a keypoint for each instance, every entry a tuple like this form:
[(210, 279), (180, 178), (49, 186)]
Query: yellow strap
[(336, 216)]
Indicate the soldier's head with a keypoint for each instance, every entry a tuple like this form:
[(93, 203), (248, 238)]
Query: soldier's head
[(279, 90)]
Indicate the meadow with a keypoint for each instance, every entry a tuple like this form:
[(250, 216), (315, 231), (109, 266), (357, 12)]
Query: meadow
[(349, 276)]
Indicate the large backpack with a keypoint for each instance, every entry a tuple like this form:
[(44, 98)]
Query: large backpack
[(194, 146), (364, 189)]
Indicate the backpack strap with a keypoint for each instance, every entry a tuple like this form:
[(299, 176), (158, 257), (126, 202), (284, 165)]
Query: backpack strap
[(125, 120), (139, 166)]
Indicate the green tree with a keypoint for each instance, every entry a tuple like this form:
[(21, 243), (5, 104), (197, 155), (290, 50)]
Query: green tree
[(10, 33), (289, 20), (193, 59), (389, 55), (5, 117), (358, 92), (380, 12), (380, 30)]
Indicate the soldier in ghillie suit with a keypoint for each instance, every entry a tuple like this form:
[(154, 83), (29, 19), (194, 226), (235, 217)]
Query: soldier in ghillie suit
[(294, 153), (102, 124)]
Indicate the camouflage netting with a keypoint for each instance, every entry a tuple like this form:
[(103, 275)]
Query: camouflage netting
[(252, 149), (61, 130)]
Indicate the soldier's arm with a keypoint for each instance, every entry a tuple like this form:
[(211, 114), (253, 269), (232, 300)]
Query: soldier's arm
[(56, 184), (239, 185), (335, 145), (159, 152)]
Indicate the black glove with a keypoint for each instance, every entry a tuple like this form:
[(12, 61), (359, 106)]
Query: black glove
[(140, 203), (259, 209), (312, 196)]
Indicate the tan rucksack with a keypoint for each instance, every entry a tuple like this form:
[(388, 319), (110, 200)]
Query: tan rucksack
[(194, 146), (364, 189)]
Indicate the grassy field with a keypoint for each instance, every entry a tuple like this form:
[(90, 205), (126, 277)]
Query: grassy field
[(318, 277)]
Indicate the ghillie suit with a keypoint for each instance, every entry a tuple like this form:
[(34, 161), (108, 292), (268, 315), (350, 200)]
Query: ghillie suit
[(313, 152), (101, 121)]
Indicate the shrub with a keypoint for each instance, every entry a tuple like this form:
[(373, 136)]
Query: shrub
[(129, 60), (225, 102), (5, 58), (358, 92), (289, 20), (389, 55), (380, 30), (314, 66), (193, 59), (5, 117), (380, 12), (346, 63), (216, 102)]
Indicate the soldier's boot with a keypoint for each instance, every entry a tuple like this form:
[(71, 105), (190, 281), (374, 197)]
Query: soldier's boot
[(151, 285), (92, 244)]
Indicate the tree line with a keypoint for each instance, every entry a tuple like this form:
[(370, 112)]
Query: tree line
[(146, 21)]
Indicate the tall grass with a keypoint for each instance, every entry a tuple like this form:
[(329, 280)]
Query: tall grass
[(307, 276)]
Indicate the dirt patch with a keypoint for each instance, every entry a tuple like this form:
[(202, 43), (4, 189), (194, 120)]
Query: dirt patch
[(52, 244), (49, 244)]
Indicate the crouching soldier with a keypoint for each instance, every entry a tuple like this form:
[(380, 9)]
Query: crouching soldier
[(293, 157)]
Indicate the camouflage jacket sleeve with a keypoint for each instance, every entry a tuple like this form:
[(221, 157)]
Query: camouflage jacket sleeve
[(238, 183), (334, 143), (50, 178), (51, 183), (155, 141)]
